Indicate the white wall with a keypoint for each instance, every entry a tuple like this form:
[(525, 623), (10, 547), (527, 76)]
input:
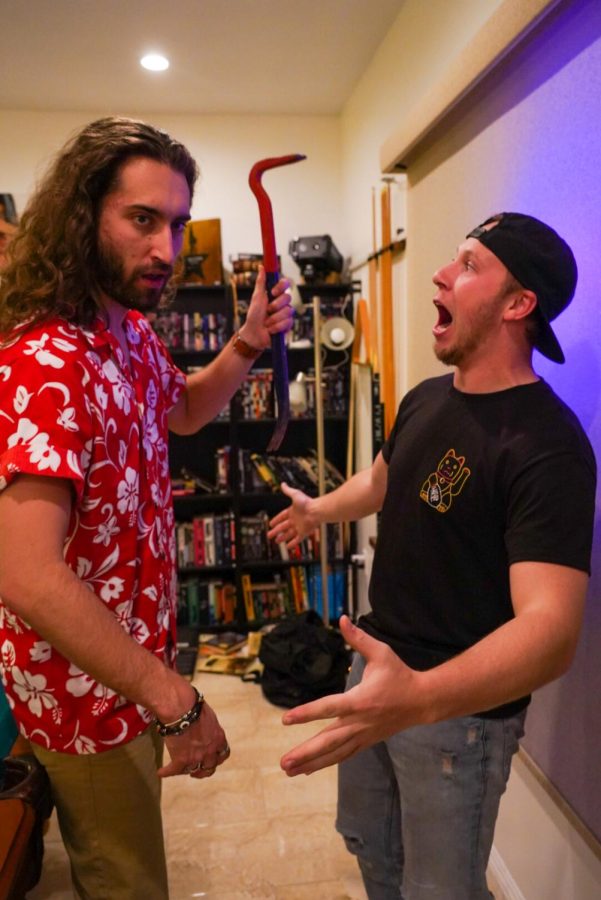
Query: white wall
[(306, 197), (538, 854), (539, 155), (412, 58)]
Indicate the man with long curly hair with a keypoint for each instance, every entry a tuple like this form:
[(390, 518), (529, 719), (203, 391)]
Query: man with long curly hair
[(87, 551)]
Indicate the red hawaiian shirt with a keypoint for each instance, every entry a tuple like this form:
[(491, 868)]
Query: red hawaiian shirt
[(71, 407)]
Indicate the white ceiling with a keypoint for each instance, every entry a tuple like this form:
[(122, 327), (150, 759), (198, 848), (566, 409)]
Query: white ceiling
[(297, 57)]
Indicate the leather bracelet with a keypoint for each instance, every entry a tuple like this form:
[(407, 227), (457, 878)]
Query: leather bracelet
[(240, 346), (174, 729)]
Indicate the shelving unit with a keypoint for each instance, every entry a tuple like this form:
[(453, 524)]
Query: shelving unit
[(236, 588)]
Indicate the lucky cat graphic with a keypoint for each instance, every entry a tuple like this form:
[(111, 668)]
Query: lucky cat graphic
[(441, 486)]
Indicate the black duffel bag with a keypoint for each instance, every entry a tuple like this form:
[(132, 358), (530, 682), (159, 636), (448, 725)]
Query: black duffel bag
[(303, 660)]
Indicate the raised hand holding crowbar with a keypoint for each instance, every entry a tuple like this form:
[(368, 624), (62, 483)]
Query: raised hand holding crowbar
[(270, 261)]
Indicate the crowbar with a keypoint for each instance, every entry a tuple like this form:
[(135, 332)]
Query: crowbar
[(272, 276)]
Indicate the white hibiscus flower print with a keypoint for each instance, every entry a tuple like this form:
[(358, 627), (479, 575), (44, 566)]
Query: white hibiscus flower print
[(43, 356), (10, 621), (31, 689), (123, 613), (121, 389), (43, 453), (102, 398), (106, 530), (151, 434), (151, 394), (81, 684), (66, 419), (21, 399), (127, 491), (26, 430), (40, 451), (112, 589), (40, 652)]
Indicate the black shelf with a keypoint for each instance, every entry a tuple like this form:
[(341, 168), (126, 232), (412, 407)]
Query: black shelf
[(198, 453), (207, 570)]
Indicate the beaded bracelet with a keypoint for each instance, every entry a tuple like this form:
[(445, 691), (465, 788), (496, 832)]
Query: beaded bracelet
[(174, 729)]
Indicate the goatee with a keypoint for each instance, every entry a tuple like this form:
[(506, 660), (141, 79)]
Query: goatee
[(126, 290)]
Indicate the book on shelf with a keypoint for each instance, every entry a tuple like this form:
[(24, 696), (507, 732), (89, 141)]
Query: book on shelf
[(248, 597), (190, 483), (249, 477), (256, 398), (223, 644), (267, 471), (225, 665), (185, 544), (254, 543), (256, 395), (336, 582), (298, 588), (257, 547), (267, 601), (222, 465), (208, 540), (201, 603), (190, 331)]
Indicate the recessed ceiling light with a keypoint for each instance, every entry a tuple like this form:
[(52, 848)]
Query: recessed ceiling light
[(155, 62)]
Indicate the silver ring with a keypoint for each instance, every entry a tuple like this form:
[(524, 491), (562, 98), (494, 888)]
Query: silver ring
[(225, 751), (190, 769)]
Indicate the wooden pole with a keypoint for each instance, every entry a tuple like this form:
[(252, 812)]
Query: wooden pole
[(388, 367), (373, 288), (321, 455)]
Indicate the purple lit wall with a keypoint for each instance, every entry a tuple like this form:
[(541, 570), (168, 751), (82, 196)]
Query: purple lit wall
[(529, 139)]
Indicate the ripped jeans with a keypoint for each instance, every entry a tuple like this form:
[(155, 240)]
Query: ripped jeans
[(419, 809)]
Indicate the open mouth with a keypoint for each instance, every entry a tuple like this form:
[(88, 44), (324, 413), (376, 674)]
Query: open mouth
[(444, 318), (154, 279)]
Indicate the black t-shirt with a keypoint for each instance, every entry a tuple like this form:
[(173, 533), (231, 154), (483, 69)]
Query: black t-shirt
[(476, 482)]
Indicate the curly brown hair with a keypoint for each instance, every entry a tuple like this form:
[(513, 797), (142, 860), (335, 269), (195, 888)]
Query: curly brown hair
[(53, 258)]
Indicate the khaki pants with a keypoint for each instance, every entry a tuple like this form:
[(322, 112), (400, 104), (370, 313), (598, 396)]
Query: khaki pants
[(108, 808)]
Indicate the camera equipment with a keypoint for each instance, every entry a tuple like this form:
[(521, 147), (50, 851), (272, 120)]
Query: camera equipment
[(316, 256)]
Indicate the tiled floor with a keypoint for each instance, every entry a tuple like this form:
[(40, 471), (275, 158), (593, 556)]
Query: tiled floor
[(249, 832)]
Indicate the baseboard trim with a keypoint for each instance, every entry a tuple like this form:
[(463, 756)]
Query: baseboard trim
[(503, 877)]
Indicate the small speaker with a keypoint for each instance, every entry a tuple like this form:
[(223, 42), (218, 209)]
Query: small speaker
[(337, 333)]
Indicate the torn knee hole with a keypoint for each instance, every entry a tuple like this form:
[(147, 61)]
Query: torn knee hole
[(448, 764), (354, 844)]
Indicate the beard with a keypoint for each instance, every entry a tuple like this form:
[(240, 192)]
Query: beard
[(125, 289)]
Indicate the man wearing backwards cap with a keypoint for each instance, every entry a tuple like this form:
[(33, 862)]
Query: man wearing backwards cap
[(486, 488)]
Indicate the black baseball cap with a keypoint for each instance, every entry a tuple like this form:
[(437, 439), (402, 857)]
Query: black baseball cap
[(541, 261)]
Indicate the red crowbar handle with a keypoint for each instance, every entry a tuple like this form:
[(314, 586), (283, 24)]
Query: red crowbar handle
[(270, 261)]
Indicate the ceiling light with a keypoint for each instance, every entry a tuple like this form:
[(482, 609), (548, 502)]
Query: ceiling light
[(155, 62)]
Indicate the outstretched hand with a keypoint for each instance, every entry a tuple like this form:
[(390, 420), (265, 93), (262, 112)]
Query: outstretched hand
[(296, 521), (383, 703)]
